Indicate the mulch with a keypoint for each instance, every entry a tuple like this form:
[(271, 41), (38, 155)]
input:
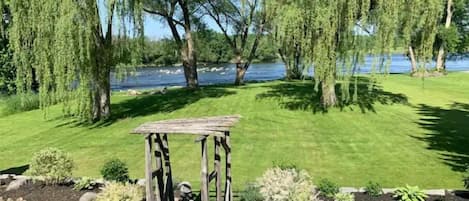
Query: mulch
[(38, 191), (457, 196)]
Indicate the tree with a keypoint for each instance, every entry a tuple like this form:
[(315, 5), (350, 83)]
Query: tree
[(168, 10), (453, 35), (7, 70), (237, 19), (330, 35), (72, 55)]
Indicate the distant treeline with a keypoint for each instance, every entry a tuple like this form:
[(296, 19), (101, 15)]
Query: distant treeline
[(211, 49)]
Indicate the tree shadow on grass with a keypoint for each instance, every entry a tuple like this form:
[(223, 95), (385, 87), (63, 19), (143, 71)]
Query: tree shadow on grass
[(147, 104), (302, 96), (448, 133), (15, 170)]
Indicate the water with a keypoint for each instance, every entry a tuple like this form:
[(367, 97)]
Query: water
[(225, 73)]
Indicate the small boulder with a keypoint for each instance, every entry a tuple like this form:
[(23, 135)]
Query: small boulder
[(141, 182), (89, 196), (16, 184)]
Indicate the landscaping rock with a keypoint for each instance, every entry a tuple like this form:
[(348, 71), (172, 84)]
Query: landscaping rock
[(4, 178), (16, 184), (89, 196), (435, 192), (348, 190), (141, 182), (184, 191)]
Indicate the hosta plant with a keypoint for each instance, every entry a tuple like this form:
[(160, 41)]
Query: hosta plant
[(410, 193)]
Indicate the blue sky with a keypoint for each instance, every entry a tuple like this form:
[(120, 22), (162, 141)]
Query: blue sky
[(154, 27)]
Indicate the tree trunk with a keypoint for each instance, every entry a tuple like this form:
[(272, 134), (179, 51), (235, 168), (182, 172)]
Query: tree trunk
[(102, 93), (288, 71), (328, 97), (440, 61), (413, 61), (189, 61), (240, 73)]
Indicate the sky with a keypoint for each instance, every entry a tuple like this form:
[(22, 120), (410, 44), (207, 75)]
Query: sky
[(154, 28)]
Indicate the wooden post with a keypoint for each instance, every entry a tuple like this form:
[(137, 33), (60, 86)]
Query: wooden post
[(149, 169), (204, 172), (227, 146), (159, 168), (217, 169), (169, 193)]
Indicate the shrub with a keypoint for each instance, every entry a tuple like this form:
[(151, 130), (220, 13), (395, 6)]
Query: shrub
[(286, 185), (374, 189), (410, 193), (115, 170), (84, 183), (251, 193), (466, 179), (52, 164), (15, 103), (121, 192), (328, 188), (344, 197)]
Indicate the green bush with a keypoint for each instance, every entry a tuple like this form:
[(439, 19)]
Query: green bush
[(84, 183), (115, 170), (121, 192), (18, 103), (466, 179), (410, 193), (251, 193), (374, 189), (328, 188), (344, 197), (52, 164), (286, 185)]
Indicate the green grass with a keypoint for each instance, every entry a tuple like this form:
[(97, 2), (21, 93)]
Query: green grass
[(406, 132)]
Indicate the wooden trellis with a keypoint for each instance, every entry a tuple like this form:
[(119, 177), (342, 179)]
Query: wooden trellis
[(156, 141)]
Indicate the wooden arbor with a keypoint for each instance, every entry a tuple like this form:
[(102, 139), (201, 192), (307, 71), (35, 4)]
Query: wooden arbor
[(156, 141)]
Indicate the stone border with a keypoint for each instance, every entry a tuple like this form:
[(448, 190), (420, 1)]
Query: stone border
[(440, 192)]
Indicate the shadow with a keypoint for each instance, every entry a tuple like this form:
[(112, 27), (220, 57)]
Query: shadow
[(448, 133), (149, 104), (15, 170), (298, 95)]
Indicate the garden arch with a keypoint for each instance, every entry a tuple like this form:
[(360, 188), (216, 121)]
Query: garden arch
[(156, 141)]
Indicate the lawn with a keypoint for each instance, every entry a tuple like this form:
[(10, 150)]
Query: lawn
[(407, 131)]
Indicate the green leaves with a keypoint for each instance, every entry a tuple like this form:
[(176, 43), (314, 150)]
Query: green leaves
[(410, 193)]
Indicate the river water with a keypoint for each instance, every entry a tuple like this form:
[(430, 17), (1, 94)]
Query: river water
[(154, 77)]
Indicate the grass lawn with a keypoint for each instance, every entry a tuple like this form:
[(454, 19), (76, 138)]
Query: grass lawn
[(406, 132)]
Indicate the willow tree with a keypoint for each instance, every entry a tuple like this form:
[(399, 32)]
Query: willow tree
[(70, 51), (336, 35)]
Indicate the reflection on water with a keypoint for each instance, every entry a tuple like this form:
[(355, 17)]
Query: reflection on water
[(225, 73)]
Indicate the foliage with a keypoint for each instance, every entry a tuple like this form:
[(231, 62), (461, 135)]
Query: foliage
[(18, 103), (284, 185), (251, 193), (344, 197), (115, 170), (329, 34), (84, 183), (373, 189), (410, 193), (7, 70), (328, 188), (121, 192), (52, 164), (69, 58), (466, 179)]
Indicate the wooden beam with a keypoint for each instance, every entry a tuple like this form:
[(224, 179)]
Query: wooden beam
[(149, 169), (169, 193), (159, 168), (228, 187), (204, 172), (217, 170)]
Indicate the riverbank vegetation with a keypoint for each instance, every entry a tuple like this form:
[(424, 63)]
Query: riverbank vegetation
[(399, 133)]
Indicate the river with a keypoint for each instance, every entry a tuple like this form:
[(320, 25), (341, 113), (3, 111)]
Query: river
[(154, 77)]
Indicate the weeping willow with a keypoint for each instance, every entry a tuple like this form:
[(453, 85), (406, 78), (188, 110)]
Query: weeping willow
[(63, 46), (336, 35)]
